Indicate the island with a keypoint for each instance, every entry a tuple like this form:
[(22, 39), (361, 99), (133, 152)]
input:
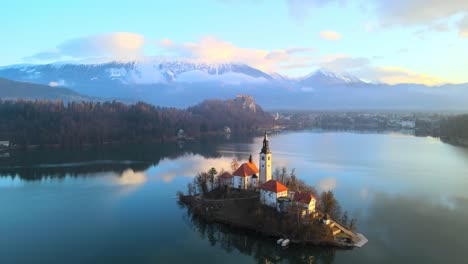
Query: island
[(284, 208)]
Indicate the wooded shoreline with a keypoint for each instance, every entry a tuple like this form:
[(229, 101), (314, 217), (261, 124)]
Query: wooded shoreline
[(203, 210)]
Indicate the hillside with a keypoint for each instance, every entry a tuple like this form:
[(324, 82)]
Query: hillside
[(23, 90), (78, 124), (240, 114)]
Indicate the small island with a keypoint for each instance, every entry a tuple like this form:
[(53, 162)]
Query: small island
[(284, 208)]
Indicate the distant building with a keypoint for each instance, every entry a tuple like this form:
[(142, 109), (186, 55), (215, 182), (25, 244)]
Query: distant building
[(265, 161), (226, 179), (181, 134), (270, 191), (246, 176), (4, 145)]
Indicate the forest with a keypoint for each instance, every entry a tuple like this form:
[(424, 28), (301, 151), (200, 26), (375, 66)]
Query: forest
[(77, 124), (454, 129)]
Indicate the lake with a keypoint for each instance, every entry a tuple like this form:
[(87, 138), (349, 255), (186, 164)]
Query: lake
[(119, 205)]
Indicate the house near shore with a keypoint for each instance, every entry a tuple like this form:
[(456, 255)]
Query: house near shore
[(305, 201)]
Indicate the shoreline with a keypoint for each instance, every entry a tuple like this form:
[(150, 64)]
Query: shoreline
[(201, 208)]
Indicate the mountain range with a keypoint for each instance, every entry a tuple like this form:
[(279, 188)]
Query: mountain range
[(14, 90), (181, 83)]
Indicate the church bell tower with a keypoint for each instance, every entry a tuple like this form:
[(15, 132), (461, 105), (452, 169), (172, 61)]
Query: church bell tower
[(265, 161)]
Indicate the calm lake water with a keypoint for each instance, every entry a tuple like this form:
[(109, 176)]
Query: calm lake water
[(119, 205)]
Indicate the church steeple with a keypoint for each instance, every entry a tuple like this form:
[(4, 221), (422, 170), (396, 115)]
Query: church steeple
[(265, 161), (266, 147)]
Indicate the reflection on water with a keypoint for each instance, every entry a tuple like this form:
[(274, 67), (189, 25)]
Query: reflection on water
[(261, 249), (118, 205), (36, 164)]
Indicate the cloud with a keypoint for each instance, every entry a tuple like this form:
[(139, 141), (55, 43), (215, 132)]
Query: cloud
[(57, 83), (395, 75), (345, 63), (463, 27), (363, 68), (414, 12), (166, 43), (330, 35), (433, 15), (327, 184), (299, 10), (129, 177), (118, 45), (212, 50)]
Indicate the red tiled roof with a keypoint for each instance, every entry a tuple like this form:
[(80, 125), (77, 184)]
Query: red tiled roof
[(303, 197), (273, 186), (246, 169), (225, 175)]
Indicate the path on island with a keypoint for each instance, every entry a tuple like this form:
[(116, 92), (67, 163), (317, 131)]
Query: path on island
[(359, 239)]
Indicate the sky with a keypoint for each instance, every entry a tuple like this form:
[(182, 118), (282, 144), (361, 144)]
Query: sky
[(391, 41)]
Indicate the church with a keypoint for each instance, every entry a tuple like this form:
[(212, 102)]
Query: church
[(272, 193), (250, 177)]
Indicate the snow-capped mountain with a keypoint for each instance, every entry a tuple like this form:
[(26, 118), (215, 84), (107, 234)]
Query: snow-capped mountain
[(135, 72), (323, 76), (182, 83)]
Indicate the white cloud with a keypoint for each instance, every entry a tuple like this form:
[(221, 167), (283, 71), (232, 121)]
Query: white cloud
[(344, 63), (432, 15), (118, 45), (299, 10), (463, 27), (57, 83), (327, 184), (129, 177), (395, 75), (363, 68), (213, 50), (413, 12), (330, 35)]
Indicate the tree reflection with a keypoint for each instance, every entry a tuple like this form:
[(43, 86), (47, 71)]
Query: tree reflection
[(56, 163), (262, 249)]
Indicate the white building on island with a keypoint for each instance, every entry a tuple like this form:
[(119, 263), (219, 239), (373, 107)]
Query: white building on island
[(270, 191), (246, 176), (306, 201)]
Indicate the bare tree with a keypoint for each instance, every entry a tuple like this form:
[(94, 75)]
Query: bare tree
[(234, 164)]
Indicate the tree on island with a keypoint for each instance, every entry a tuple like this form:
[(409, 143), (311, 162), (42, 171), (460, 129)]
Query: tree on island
[(212, 172), (200, 182), (292, 181)]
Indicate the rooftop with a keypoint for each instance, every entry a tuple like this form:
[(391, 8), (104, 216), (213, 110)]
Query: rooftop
[(225, 175), (303, 197), (273, 186), (246, 169)]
